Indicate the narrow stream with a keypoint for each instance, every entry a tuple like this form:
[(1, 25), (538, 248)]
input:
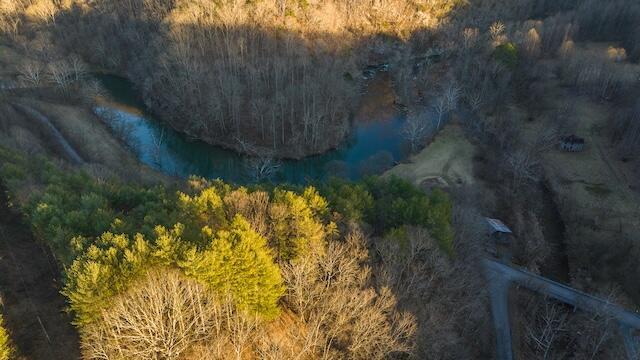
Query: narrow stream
[(374, 145)]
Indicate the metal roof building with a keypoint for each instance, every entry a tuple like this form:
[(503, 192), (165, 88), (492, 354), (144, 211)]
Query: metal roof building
[(498, 226)]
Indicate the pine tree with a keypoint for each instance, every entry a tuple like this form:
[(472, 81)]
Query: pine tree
[(238, 262), (6, 350), (295, 223)]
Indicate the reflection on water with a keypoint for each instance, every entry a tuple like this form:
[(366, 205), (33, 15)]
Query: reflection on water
[(373, 145)]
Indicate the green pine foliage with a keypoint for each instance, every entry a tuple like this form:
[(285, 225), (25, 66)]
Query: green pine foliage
[(237, 263), (507, 54), (351, 200), (295, 224), (6, 349), (231, 239), (392, 203)]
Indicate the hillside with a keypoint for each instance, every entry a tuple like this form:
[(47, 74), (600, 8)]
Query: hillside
[(317, 179)]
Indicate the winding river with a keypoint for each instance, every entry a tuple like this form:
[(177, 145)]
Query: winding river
[(373, 145)]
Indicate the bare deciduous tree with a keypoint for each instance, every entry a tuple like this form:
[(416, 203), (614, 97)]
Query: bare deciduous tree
[(474, 100), (156, 146), (496, 31), (31, 73), (523, 166), (262, 168), (78, 68), (415, 129), (61, 74), (547, 321), (596, 335), (452, 95), (532, 43), (441, 109), (240, 327), (415, 267), (332, 294), (161, 317)]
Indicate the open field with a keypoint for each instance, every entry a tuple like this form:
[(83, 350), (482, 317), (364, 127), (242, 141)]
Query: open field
[(448, 157), (593, 188)]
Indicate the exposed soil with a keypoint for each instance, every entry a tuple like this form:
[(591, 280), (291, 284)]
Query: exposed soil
[(33, 307)]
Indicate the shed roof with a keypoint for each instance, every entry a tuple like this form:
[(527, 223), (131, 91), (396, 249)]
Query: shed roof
[(572, 139), (498, 226)]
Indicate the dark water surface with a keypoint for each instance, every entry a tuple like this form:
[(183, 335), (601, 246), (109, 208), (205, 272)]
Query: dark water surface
[(373, 144)]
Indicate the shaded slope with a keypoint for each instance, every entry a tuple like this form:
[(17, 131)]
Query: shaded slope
[(29, 288)]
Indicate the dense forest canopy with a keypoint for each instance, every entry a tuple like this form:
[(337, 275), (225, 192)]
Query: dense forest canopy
[(246, 254)]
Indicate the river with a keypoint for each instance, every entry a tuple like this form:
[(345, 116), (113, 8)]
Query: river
[(373, 145)]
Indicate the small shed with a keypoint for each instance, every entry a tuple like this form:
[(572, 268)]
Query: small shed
[(498, 229), (572, 143), (500, 238)]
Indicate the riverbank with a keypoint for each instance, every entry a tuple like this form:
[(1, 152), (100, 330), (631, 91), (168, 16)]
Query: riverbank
[(374, 144), (378, 103)]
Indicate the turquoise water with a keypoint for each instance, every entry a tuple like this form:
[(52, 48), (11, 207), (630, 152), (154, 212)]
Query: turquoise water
[(374, 145)]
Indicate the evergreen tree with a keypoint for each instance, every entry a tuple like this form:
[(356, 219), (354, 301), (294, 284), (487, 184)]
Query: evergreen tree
[(6, 350), (295, 222)]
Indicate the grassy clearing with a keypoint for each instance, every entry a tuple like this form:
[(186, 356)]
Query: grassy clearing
[(591, 188), (449, 157)]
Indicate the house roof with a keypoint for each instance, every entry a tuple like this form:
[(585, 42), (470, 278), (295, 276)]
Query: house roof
[(572, 139), (498, 226)]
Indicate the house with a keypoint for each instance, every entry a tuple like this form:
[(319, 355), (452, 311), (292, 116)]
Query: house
[(572, 143)]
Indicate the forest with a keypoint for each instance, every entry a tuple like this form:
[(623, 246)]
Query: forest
[(228, 260), (524, 111), (276, 76)]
